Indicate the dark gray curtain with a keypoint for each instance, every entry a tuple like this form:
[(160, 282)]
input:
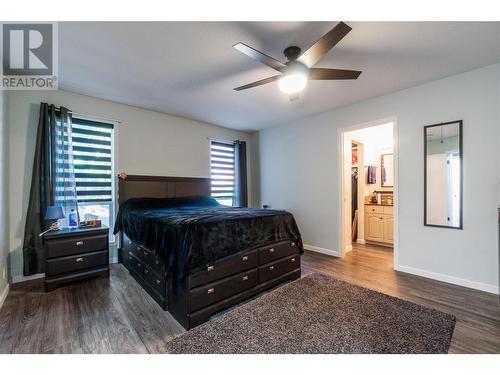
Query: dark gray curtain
[(240, 174), (52, 142)]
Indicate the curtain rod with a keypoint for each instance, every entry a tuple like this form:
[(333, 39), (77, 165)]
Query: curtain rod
[(90, 116)]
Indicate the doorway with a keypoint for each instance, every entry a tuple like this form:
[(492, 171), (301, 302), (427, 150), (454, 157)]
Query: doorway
[(368, 187)]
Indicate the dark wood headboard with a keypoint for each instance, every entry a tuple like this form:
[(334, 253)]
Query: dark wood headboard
[(136, 186)]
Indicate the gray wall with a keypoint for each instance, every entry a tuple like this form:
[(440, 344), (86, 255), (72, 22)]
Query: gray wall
[(300, 163), (4, 222), (147, 142)]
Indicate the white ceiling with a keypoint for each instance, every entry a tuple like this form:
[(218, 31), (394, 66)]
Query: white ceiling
[(190, 68)]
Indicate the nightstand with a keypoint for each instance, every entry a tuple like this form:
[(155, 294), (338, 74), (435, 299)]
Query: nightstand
[(75, 254)]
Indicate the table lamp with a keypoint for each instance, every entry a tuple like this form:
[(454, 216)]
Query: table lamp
[(53, 213)]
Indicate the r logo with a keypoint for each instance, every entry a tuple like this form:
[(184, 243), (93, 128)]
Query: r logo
[(28, 49)]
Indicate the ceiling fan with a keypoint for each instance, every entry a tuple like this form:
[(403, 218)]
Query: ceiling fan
[(295, 73)]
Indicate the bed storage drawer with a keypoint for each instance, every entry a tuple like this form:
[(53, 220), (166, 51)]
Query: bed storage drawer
[(269, 253), (155, 281), (135, 264), (273, 270), (76, 262), (223, 269), (212, 293), (148, 257)]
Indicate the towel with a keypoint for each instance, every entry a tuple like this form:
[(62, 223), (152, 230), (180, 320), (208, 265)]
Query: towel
[(372, 174)]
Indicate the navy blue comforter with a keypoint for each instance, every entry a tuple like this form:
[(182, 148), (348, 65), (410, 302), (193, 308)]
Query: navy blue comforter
[(190, 232)]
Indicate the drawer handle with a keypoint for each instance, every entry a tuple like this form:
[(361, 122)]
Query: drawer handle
[(292, 260), (245, 258), (245, 278), (292, 244), (79, 260), (79, 243), (158, 282), (210, 268), (271, 250), (271, 268), (210, 291)]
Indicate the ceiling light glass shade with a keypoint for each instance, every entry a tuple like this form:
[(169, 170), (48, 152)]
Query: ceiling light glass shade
[(293, 83)]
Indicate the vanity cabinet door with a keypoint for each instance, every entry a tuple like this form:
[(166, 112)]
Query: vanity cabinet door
[(387, 230), (374, 227)]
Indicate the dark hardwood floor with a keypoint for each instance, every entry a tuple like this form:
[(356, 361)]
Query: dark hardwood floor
[(117, 316)]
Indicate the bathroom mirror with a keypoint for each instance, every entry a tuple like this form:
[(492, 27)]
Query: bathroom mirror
[(443, 175), (387, 170)]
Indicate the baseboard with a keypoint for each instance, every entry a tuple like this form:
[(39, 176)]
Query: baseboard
[(361, 241), (3, 296), (21, 279), (322, 250), (449, 279), (348, 248)]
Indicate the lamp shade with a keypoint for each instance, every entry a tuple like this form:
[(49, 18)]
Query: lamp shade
[(54, 213)]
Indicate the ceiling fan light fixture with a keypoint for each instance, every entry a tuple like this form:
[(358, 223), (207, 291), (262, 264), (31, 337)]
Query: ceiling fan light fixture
[(293, 83), (299, 68)]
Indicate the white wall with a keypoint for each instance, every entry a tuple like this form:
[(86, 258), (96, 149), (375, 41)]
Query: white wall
[(4, 222), (300, 160), (149, 143)]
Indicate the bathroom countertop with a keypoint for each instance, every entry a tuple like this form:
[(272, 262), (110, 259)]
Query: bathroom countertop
[(376, 204)]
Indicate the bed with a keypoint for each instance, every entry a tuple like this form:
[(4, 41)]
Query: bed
[(196, 257)]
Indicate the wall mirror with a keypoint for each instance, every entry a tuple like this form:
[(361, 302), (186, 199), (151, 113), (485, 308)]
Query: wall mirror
[(443, 175), (387, 170)]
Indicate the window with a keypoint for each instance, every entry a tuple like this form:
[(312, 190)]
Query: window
[(222, 171), (93, 162)]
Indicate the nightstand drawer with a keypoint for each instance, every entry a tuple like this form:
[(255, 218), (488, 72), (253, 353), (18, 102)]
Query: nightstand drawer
[(76, 262), (59, 247)]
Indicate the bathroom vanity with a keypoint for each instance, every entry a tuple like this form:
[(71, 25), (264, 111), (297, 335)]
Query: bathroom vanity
[(379, 223)]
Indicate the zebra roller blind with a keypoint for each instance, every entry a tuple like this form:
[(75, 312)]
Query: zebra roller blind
[(222, 172), (92, 160)]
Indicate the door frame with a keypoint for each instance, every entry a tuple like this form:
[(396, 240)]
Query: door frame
[(341, 182), (360, 192)]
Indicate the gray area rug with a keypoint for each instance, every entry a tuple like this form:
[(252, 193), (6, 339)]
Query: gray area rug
[(320, 314)]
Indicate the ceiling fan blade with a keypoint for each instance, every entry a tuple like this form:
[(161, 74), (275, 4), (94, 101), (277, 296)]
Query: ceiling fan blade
[(259, 56), (324, 44), (258, 83), (329, 74), (293, 97)]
